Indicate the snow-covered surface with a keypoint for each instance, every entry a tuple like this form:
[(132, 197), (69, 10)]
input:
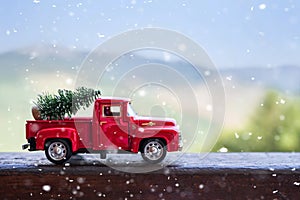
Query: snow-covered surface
[(174, 162)]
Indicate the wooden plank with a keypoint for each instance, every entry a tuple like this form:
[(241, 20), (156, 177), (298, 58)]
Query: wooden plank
[(191, 176)]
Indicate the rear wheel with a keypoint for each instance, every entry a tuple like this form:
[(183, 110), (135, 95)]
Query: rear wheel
[(58, 151), (153, 151)]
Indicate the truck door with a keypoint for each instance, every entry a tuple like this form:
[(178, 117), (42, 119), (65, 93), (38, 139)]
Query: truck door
[(113, 130)]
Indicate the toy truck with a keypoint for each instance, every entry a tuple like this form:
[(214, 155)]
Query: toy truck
[(113, 128)]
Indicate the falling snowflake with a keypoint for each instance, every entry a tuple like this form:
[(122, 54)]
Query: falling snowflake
[(100, 35), (262, 6), (282, 117), (223, 150), (46, 188), (297, 183), (209, 107), (282, 101), (207, 73), (275, 191), (259, 137), (236, 135), (229, 78)]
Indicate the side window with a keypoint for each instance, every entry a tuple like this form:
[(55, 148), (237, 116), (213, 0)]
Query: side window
[(111, 111)]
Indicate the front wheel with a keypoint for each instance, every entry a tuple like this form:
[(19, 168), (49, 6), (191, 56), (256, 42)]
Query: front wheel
[(58, 151), (153, 151)]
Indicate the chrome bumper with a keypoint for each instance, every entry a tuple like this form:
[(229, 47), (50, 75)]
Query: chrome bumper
[(31, 144), (180, 143)]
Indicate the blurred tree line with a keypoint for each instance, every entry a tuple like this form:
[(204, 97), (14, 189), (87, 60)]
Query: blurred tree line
[(274, 127)]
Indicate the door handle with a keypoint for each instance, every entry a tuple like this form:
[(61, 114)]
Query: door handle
[(103, 122)]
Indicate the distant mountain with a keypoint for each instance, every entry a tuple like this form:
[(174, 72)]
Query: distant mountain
[(28, 71), (39, 59), (51, 58), (284, 78)]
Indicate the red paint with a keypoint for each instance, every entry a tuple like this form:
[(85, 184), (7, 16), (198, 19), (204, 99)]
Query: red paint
[(122, 131)]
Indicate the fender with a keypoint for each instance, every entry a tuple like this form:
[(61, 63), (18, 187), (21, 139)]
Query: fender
[(61, 133), (168, 135)]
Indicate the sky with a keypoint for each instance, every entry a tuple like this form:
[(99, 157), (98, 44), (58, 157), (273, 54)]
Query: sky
[(234, 33)]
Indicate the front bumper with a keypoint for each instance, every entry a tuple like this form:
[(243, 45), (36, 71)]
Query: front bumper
[(31, 145), (180, 143)]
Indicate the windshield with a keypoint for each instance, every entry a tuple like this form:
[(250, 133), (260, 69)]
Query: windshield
[(130, 111)]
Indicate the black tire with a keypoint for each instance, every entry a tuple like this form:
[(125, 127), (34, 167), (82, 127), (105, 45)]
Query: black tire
[(153, 151), (58, 151)]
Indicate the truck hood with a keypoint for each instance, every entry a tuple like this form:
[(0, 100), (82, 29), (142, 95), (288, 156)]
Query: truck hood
[(153, 121)]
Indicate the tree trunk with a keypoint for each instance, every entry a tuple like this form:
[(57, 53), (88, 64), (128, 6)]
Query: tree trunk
[(36, 113)]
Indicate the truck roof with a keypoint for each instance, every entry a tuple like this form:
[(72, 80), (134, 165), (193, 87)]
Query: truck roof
[(112, 99)]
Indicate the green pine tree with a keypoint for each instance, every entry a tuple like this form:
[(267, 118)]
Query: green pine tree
[(65, 103)]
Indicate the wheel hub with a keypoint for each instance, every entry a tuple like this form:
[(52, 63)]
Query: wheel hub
[(57, 151), (153, 150)]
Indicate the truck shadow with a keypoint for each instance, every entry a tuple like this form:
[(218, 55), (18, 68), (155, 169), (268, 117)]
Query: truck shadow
[(113, 161), (116, 163)]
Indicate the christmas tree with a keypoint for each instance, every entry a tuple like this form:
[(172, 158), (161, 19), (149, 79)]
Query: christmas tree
[(65, 103)]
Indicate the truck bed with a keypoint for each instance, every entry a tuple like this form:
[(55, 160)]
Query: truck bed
[(83, 126)]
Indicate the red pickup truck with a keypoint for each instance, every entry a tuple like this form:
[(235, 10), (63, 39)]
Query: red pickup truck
[(114, 127)]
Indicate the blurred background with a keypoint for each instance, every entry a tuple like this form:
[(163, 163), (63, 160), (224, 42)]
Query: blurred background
[(255, 45)]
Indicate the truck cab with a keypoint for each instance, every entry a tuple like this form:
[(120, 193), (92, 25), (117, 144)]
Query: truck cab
[(114, 127)]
